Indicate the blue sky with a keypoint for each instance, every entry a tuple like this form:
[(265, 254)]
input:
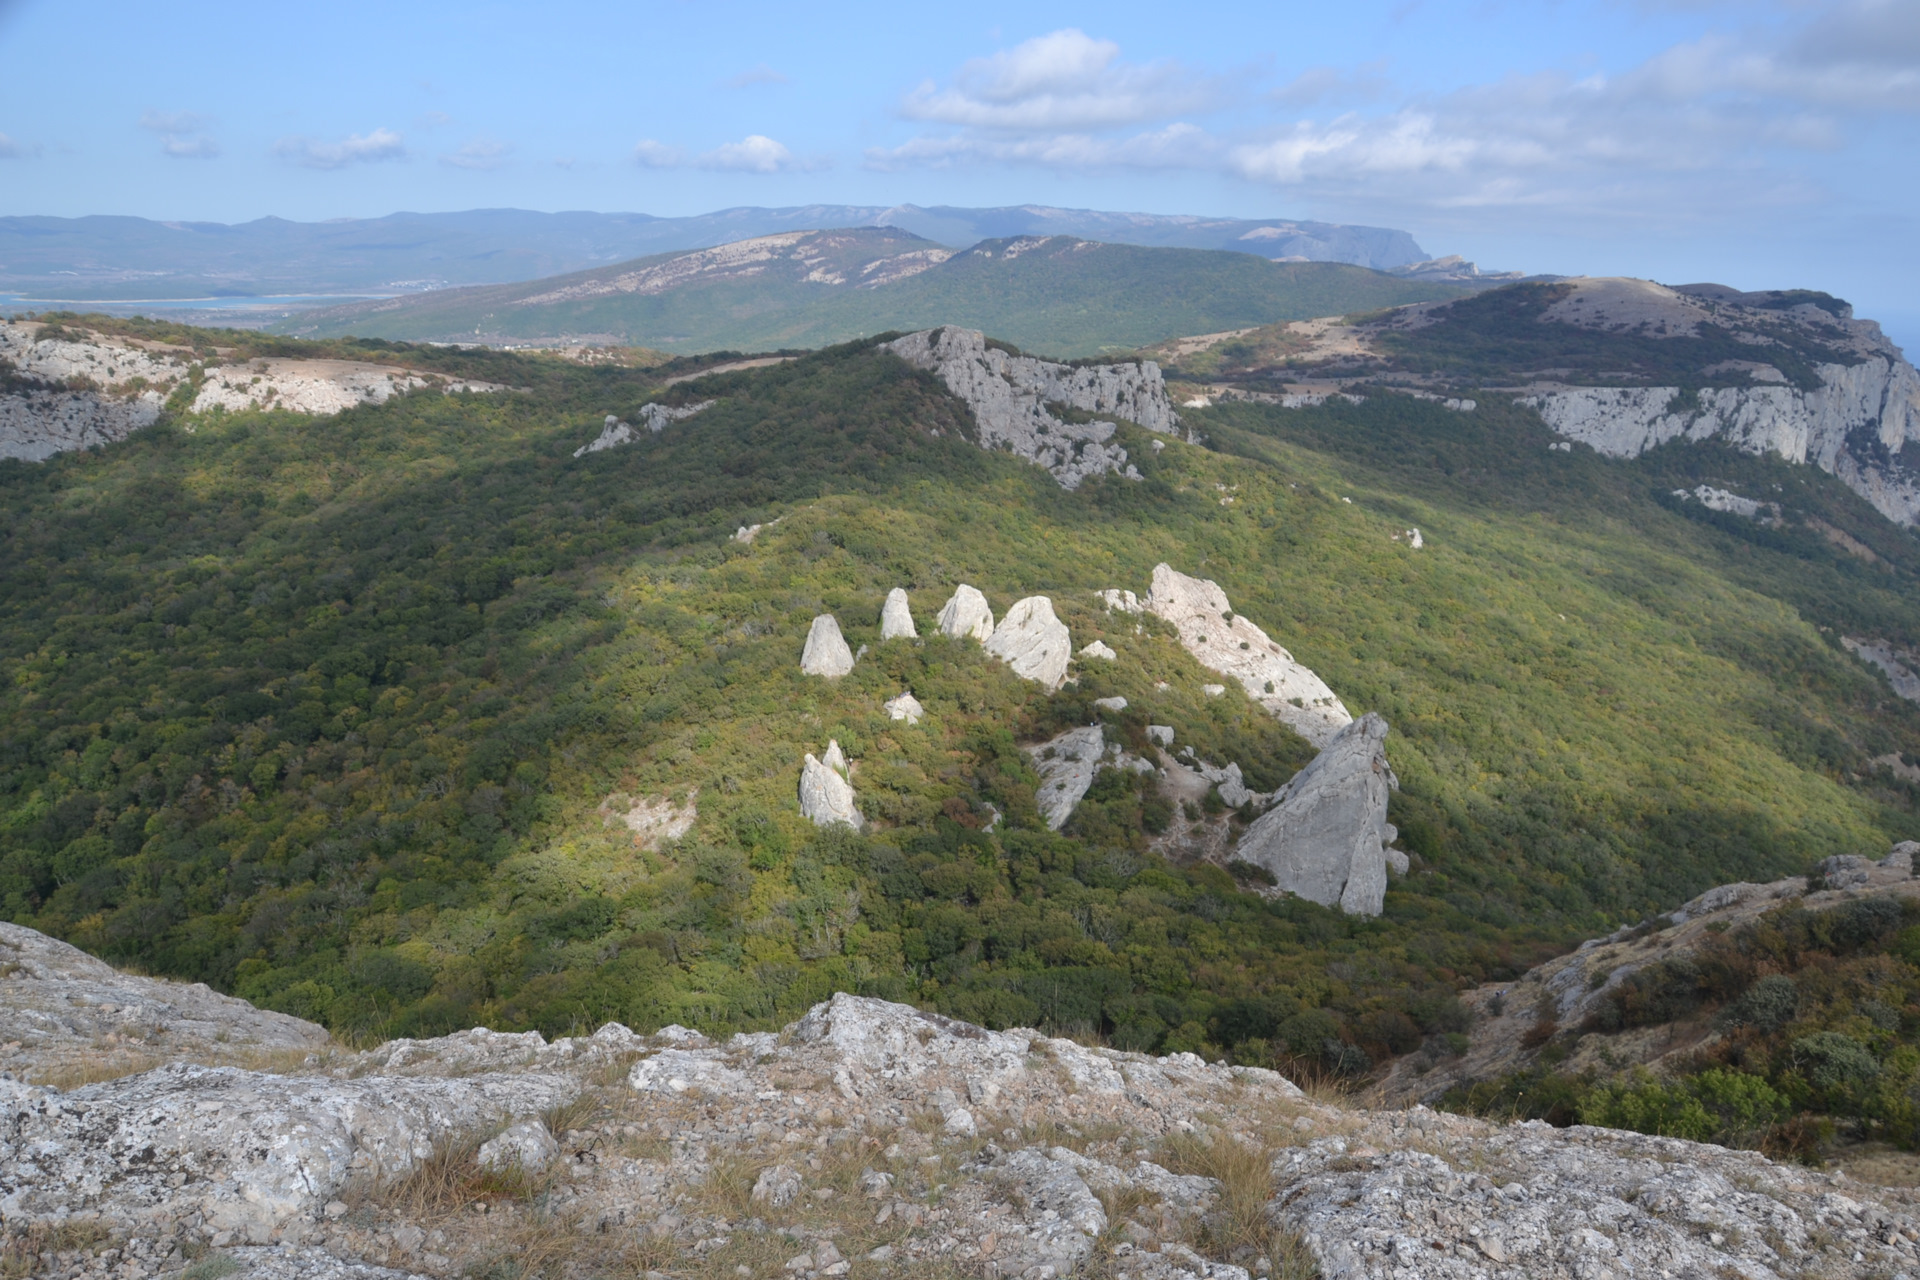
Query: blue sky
[(1761, 144)]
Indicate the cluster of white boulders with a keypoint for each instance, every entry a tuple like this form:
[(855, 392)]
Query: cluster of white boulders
[(1029, 639)]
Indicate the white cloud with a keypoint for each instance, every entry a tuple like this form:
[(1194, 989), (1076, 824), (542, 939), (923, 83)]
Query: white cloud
[(479, 153), (762, 74), (313, 153), (1726, 120), (182, 135), (755, 153), (649, 154), (1064, 80)]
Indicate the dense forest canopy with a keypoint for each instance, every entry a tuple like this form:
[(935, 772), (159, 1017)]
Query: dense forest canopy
[(342, 714)]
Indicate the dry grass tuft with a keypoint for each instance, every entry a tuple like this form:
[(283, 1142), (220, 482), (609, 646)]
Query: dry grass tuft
[(21, 1251), (1239, 1226)]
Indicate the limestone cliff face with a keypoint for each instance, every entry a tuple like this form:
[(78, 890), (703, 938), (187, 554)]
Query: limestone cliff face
[(1853, 425), (78, 392), (1011, 397)]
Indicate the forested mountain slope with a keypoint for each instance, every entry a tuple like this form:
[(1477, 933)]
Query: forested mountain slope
[(1057, 294), (354, 717)]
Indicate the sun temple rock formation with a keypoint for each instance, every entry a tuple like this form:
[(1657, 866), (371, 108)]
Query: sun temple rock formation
[(826, 797), (826, 653), (1325, 838), (1010, 397), (1033, 642), (966, 614), (1223, 641), (896, 617)]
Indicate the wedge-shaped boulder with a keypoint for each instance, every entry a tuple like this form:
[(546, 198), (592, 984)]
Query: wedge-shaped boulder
[(1033, 642), (826, 798), (1326, 838), (896, 617), (966, 614), (826, 653)]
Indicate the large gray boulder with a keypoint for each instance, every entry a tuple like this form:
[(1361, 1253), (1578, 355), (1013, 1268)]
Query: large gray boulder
[(966, 614), (896, 617), (1326, 839), (826, 653), (1033, 642), (826, 797)]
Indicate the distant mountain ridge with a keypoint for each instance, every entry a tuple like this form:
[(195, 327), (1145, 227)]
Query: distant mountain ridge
[(1060, 295), (121, 258)]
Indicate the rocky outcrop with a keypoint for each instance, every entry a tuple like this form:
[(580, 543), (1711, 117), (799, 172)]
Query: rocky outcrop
[(904, 707), (1067, 763), (1013, 399), (826, 797), (652, 821), (877, 1139), (1326, 836), (54, 997), (826, 653), (966, 614), (896, 617), (1509, 1017), (654, 418), (1099, 650), (79, 389), (1731, 503), (1224, 641), (1032, 641), (1881, 654)]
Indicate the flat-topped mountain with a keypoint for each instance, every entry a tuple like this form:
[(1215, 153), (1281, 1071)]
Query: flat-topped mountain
[(1061, 295)]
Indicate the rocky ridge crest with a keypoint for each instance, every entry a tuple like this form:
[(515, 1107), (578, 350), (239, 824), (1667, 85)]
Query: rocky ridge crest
[(869, 1139)]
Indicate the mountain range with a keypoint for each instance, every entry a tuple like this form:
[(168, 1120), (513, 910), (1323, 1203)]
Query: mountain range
[(1059, 294), (105, 259)]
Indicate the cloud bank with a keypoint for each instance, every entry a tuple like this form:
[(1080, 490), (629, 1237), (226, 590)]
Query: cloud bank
[(368, 148)]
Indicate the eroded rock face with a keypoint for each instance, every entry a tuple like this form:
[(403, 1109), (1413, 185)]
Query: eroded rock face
[(1325, 839), (896, 617), (1009, 396), (1853, 425), (1066, 764), (54, 996), (826, 797), (826, 653), (1223, 641), (966, 613), (1032, 641)]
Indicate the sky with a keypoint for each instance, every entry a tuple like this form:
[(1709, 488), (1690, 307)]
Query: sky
[(1761, 143)]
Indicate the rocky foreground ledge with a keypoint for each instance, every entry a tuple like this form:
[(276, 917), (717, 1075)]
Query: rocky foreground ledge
[(868, 1138)]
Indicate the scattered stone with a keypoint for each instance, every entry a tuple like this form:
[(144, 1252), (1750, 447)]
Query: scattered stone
[(826, 653), (1225, 642), (653, 822), (966, 614), (1213, 690), (776, 1187), (1033, 642), (825, 795), (527, 1146), (1325, 839), (905, 707), (896, 618), (1121, 601), (1099, 649), (1160, 733), (1111, 704), (747, 532)]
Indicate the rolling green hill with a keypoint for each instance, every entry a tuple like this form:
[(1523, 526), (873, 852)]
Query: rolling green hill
[(343, 715), (1057, 295)]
